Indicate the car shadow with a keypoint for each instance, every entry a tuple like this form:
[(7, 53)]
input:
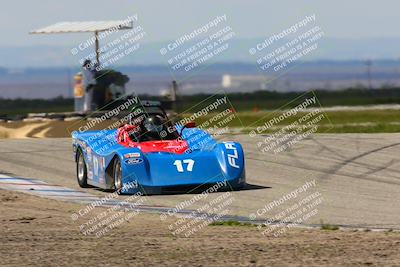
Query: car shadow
[(253, 187), (190, 190), (203, 188)]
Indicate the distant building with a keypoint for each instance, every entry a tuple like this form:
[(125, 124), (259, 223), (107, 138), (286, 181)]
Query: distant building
[(245, 81)]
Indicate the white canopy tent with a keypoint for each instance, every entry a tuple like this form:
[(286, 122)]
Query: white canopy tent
[(86, 26)]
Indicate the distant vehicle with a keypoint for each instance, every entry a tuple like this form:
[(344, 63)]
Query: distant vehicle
[(156, 156)]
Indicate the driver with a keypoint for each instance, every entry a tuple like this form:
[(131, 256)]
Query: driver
[(155, 127), (152, 127)]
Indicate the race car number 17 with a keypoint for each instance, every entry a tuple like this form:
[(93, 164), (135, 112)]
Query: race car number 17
[(179, 165)]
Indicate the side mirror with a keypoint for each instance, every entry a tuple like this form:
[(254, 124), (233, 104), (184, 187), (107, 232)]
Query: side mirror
[(190, 124)]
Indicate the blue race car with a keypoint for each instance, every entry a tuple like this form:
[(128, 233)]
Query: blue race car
[(152, 155)]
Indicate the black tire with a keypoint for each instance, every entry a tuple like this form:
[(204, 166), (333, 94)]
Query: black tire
[(81, 170), (117, 174)]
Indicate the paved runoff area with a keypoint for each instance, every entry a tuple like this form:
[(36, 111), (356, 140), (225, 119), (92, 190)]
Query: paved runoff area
[(356, 178)]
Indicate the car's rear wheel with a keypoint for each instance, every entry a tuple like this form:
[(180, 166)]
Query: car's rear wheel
[(117, 174), (81, 170)]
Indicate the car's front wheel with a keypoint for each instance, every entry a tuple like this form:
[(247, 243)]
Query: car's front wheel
[(117, 175), (81, 170)]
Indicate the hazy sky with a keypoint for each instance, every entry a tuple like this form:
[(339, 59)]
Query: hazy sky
[(166, 20)]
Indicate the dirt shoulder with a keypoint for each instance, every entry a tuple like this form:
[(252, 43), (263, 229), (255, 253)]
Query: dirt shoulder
[(40, 232), (45, 129)]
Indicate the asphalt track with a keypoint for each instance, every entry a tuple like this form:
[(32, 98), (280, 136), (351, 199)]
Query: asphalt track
[(357, 175)]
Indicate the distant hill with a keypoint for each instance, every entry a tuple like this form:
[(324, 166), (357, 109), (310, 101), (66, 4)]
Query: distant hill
[(148, 54)]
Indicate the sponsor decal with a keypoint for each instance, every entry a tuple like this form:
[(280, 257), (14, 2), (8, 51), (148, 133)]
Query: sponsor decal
[(97, 165), (89, 154), (101, 177), (132, 155), (133, 161), (90, 175), (102, 163), (230, 147)]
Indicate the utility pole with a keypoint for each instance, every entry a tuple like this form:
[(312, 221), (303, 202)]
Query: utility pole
[(70, 91), (174, 96), (96, 36)]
